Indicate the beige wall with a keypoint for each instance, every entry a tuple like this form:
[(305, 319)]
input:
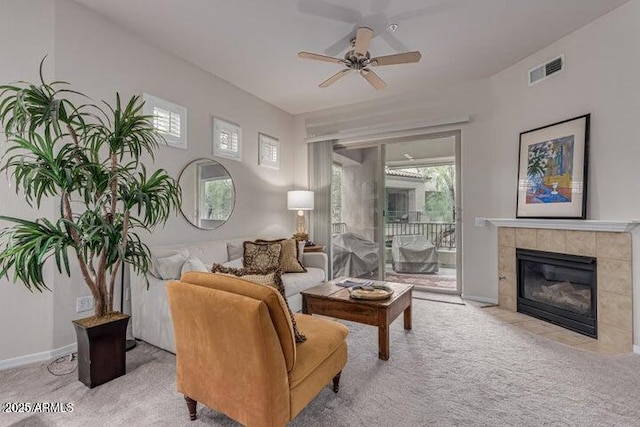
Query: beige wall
[(99, 59), (25, 318)]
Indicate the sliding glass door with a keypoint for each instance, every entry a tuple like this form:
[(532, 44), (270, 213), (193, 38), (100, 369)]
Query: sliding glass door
[(394, 212), (420, 227)]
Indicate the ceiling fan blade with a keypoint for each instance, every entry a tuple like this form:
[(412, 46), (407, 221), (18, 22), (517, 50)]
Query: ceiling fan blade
[(324, 9), (363, 39), (400, 58), (341, 45), (317, 57), (373, 79), (337, 76)]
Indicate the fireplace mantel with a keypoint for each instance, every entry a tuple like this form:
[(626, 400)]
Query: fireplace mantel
[(566, 224)]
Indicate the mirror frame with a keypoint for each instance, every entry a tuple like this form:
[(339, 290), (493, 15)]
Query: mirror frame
[(233, 185)]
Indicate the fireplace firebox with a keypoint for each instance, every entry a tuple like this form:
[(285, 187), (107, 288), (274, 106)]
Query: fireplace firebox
[(558, 288)]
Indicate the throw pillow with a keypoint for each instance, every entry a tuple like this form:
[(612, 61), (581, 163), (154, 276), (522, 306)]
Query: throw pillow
[(234, 263), (261, 255), (234, 251), (271, 278), (193, 264), (301, 244), (289, 262), (168, 267)]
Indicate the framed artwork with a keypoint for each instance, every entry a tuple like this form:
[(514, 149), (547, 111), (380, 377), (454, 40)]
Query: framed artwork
[(552, 170), (227, 139), (268, 151)]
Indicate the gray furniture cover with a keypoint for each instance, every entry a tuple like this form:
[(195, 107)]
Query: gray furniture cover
[(354, 256), (413, 254)]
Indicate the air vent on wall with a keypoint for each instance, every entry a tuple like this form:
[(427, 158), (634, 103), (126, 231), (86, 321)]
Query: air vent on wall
[(541, 72)]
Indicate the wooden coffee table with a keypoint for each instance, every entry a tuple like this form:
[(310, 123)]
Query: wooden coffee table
[(329, 299)]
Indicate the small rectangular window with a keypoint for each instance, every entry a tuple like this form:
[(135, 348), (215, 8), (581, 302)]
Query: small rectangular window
[(170, 120), (269, 151), (227, 139)]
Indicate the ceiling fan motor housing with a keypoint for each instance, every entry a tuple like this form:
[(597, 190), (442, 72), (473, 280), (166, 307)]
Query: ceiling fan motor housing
[(356, 61)]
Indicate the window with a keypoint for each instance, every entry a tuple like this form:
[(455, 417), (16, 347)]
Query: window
[(269, 151), (227, 139), (170, 120)]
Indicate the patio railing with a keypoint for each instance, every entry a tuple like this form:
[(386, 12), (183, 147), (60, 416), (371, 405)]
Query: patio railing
[(440, 234)]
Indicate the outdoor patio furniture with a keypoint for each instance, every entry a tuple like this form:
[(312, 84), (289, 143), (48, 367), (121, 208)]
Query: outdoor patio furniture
[(354, 256), (413, 254)]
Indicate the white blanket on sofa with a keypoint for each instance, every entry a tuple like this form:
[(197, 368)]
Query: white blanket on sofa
[(150, 315)]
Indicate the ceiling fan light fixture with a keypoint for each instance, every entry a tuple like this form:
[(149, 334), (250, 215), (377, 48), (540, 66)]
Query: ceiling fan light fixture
[(359, 58)]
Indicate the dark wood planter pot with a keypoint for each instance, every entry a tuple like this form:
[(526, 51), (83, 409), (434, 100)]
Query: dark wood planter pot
[(101, 349)]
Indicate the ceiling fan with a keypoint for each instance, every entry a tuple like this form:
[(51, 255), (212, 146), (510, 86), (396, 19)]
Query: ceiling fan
[(358, 59)]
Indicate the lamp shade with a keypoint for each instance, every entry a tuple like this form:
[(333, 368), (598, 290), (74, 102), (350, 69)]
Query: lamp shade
[(300, 200)]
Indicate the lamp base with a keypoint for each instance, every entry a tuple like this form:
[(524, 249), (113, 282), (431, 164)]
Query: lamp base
[(300, 237)]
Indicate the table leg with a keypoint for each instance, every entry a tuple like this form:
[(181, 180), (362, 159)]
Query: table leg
[(305, 309), (407, 318), (383, 335)]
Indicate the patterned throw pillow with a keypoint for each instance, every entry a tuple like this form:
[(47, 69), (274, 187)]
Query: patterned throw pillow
[(261, 255), (269, 277), (289, 262)]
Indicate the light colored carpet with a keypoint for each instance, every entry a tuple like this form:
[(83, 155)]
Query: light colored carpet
[(458, 367)]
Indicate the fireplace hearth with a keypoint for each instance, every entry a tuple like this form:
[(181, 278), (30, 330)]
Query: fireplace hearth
[(558, 288)]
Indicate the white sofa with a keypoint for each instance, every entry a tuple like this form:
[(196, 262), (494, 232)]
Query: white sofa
[(150, 316)]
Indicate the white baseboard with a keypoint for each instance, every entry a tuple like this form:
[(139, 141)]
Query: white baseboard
[(480, 299), (636, 349), (38, 357)]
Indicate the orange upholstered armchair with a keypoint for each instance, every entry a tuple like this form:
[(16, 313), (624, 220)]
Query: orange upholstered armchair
[(236, 352)]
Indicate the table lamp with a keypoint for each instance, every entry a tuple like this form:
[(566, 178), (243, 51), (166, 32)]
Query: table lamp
[(300, 200)]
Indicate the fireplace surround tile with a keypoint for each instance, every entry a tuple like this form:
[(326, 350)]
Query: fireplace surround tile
[(610, 335), (614, 246), (615, 310), (507, 237), (581, 243), (615, 276), (526, 238), (568, 337), (506, 259), (615, 290), (552, 240)]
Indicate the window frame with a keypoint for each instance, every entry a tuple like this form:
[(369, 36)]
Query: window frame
[(220, 125), (264, 140), (151, 102)]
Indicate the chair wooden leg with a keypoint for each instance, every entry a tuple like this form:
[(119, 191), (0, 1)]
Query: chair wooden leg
[(336, 382), (191, 404)]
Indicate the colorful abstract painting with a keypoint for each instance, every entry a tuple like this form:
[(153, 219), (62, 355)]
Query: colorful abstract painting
[(550, 171)]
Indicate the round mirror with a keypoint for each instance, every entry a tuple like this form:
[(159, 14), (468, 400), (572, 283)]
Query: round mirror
[(208, 193)]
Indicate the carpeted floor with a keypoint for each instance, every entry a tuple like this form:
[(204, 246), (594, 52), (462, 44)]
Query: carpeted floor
[(458, 367)]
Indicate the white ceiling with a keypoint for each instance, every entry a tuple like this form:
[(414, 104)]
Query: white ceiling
[(253, 44)]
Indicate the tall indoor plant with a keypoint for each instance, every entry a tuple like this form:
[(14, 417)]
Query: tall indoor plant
[(88, 158)]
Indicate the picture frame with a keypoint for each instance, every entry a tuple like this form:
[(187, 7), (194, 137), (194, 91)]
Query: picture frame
[(268, 151), (553, 167), (227, 139)]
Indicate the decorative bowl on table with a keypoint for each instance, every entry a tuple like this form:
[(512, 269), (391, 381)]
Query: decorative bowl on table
[(371, 292)]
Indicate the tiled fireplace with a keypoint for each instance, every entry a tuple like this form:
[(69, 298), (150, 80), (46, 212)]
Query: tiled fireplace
[(610, 251)]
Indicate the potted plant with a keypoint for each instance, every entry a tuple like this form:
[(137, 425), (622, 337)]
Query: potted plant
[(90, 159)]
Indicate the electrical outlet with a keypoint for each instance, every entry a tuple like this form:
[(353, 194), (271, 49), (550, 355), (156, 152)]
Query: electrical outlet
[(84, 304)]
